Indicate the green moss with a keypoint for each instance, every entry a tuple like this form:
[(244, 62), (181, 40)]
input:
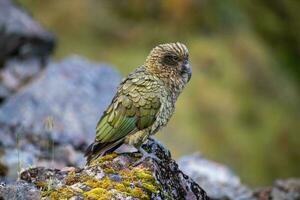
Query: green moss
[(144, 175), (136, 182), (137, 192), (42, 184), (141, 178), (63, 193), (103, 159), (71, 178), (151, 187), (98, 194), (109, 171)]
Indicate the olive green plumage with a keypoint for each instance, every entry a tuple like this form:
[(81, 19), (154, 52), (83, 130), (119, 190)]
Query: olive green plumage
[(144, 102)]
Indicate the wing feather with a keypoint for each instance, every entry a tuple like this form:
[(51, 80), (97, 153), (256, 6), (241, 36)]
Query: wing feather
[(135, 107), (128, 113)]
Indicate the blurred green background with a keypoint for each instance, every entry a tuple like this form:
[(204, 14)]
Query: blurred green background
[(242, 104)]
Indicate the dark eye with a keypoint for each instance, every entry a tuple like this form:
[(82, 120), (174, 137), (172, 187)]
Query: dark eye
[(171, 59)]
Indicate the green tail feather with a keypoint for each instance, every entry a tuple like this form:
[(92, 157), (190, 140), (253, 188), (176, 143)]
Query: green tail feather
[(97, 149)]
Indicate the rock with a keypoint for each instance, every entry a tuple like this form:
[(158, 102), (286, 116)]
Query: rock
[(70, 95), (114, 177), (52, 120), (216, 179), (3, 170), (4, 93), (16, 74), (21, 36), (282, 190), (221, 183), (19, 190), (24, 48), (15, 159)]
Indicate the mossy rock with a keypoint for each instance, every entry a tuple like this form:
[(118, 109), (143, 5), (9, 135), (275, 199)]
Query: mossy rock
[(113, 177)]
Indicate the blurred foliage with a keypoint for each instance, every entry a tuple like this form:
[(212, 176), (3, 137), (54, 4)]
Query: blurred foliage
[(242, 104)]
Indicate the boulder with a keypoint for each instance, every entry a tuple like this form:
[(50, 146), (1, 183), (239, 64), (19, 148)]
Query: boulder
[(21, 36), (15, 74), (288, 189), (24, 48), (19, 190), (53, 119), (221, 183), (114, 177), (216, 179)]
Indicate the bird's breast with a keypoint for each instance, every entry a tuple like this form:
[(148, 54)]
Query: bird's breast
[(165, 113)]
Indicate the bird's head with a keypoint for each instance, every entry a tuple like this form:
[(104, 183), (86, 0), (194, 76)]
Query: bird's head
[(170, 62)]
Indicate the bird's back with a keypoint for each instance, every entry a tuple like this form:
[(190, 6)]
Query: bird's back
[(135, 107)]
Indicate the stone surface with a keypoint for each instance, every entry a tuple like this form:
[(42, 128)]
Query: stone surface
[(21, 36), (216, 179), (49, 119), (15, 74), (72, 94), (221, 183), (288, 189), (114, 177), (24, 48), (19, 191), (52, 120)]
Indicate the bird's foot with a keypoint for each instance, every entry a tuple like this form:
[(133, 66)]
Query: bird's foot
[(145, 156)]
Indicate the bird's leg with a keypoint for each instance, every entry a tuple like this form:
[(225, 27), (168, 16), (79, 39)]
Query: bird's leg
[(137, 140), (145, 156)]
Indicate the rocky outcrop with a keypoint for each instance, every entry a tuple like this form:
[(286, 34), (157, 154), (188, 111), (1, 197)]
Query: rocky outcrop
[(216, 179), (114, 177), (73, 92), (21, 36), (19, 190), (24, 48), (52, 120), (221, 183), (288, 189), (48, 111)]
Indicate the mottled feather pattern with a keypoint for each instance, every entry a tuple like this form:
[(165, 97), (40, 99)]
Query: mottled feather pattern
[(144, 102), (132, 109)]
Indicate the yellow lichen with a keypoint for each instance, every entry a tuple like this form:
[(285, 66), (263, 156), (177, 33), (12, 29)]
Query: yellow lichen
[(144, 174), (98, 194), (137, 192), (71, 178), (151, 187), (109, 171), (137, 182), (62, 193), (102, 159), (41, 184)]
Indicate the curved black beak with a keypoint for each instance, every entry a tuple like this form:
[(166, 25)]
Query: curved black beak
[(187, 69)]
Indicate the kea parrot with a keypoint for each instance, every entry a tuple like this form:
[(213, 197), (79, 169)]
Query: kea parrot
[(144, 102)]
